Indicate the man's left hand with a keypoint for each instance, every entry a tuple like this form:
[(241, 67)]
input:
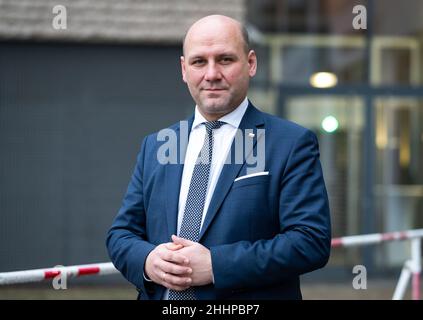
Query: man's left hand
[(199, 261)]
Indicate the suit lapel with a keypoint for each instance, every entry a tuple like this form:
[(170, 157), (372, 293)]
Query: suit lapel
[(251, 120), (173, 177)]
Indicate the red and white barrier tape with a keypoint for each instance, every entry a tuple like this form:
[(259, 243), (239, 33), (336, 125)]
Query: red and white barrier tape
[(37, 275), (107, 268), (411, 268), (376, 238)]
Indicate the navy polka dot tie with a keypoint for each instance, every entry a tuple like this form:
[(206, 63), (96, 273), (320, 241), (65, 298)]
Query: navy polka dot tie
[(191, 222)]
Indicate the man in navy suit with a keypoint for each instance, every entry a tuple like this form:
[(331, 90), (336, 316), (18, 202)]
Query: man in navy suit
[(234, 227)]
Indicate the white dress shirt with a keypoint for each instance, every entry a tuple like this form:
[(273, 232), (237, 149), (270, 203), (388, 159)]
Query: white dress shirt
[(222, 141)]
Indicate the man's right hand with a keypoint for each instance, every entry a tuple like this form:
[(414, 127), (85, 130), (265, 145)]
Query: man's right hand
[(168, 267)]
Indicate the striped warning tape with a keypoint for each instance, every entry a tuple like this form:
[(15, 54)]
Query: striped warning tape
[(37, 275)]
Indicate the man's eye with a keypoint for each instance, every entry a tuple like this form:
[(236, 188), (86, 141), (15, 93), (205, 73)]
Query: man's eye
[(198, 62), (227, 60)]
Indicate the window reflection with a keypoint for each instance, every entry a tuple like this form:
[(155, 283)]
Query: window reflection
[(399, 171), (340, 155), (303, 38)]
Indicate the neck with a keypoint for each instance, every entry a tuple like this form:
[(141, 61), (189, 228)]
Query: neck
[(214, 116)]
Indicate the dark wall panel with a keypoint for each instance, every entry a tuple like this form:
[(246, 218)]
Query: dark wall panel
[(72, 118)]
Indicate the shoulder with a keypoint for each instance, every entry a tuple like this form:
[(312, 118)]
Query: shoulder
[(154, 136), (168, 134), (282, 128), (290, 138)]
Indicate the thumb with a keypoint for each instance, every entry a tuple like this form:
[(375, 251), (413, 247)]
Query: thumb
[(182, 241), (173, 246)]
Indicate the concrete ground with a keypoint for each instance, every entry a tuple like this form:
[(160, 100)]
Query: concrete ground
[(376, 290)]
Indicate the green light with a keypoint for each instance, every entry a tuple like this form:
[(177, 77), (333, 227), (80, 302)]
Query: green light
[(330, 124)]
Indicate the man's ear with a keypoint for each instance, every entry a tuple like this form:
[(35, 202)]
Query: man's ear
[(183, 68), (252, 63)]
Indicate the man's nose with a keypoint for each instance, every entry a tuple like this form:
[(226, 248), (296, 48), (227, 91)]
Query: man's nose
[(212, 72)]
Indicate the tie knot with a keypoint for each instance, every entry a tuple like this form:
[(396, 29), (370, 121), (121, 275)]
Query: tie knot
[(211, 125)]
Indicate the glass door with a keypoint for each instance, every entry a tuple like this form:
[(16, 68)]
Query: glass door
[(338, 122), (398, 190)]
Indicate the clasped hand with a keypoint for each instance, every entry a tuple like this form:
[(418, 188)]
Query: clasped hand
[(180, 264)]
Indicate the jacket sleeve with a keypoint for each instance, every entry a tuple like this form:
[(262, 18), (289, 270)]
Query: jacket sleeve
[(126, 240), (303, 243)]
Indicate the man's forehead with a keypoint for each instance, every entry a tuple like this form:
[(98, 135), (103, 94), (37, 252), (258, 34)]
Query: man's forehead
[(211, 53), (213, 37), (213, 46)]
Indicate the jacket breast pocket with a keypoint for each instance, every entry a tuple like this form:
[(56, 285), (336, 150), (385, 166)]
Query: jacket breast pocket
[(248, 202), (264, 179)]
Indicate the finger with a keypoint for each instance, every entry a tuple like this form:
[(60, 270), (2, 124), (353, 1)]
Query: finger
[(172, 256), (176, 280), (165, 278), (173, 246), (182, 241), (174, 268)]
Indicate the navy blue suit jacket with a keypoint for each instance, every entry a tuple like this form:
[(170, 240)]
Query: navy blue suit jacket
[(263, 232)]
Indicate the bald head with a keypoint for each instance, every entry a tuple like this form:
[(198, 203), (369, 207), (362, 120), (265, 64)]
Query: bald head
[(215, 23), (217, 65)]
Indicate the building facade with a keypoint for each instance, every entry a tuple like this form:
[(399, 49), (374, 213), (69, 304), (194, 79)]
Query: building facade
[(76, 102)]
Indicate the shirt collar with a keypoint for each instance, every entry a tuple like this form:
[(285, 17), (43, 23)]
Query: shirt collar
[(233, 118)]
